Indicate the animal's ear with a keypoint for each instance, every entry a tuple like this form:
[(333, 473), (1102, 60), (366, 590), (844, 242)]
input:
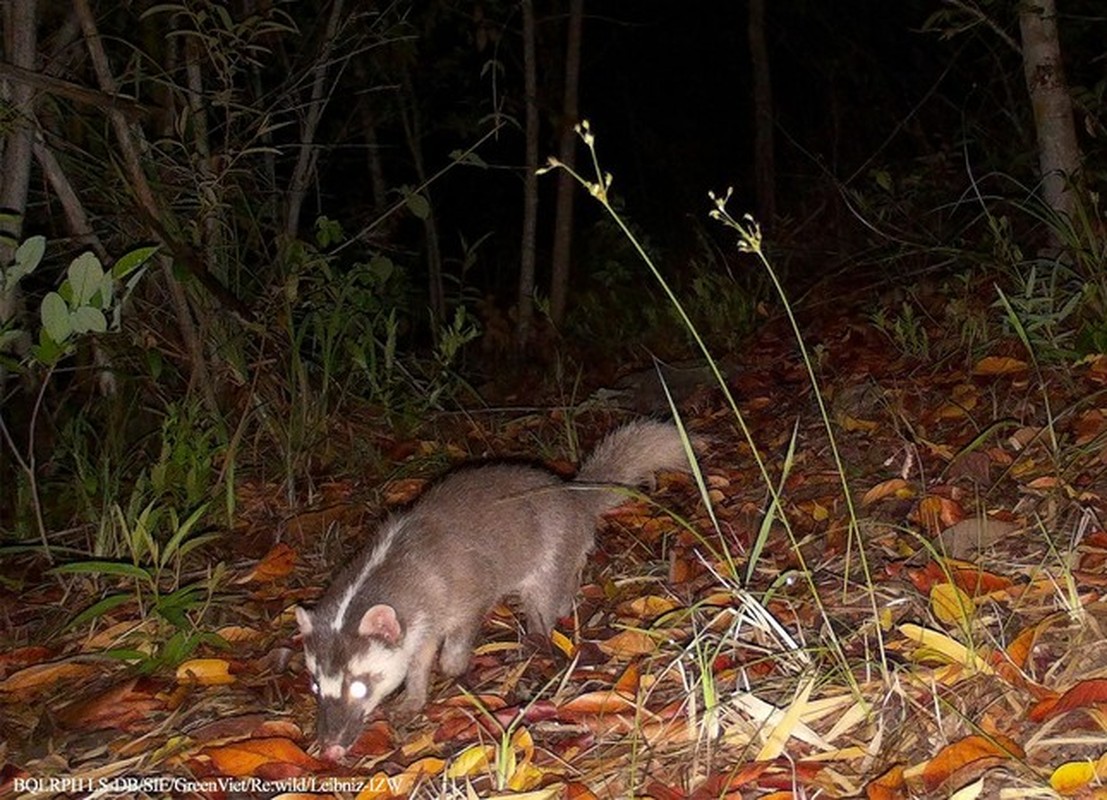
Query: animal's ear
[(380, 621), (303, 617)]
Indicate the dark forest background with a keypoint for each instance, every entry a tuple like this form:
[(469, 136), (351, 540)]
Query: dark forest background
[(336, 195)]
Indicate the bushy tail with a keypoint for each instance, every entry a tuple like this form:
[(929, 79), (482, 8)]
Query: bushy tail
[(630, 456)]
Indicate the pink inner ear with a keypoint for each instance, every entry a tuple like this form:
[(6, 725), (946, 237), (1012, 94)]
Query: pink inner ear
[(380, 621), (303, 617)]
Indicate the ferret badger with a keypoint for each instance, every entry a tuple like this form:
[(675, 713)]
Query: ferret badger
[(435, 570)]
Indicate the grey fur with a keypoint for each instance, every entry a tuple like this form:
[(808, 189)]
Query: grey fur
[(480, 534)]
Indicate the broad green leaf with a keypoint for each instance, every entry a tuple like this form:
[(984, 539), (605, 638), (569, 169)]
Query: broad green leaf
[(381, 268), (417, 204), (47, 351), (107, 290), (472, 159), (102, 568), (129, 262), (85, 276), (182, 532), (99, 609), (55, 317), (27, 257), (88, 319)]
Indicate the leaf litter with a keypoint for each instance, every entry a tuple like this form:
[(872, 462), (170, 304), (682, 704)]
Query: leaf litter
[(965, 652)]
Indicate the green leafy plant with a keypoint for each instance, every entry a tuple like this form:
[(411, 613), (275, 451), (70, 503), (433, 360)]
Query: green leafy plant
[(157, 541), (85, 303), (906, 330)]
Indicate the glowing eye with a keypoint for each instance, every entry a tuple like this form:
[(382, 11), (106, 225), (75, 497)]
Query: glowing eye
[(358, 690), (314, 687)]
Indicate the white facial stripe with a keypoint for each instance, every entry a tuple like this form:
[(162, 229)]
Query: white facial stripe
[(376, 558), (330, 686), (370, 661), (387, 665), (310, 662)]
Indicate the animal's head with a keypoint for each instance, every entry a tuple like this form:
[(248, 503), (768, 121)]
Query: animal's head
[(352, 671)]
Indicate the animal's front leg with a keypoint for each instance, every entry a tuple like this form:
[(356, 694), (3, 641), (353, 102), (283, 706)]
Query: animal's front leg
[(417, 682)]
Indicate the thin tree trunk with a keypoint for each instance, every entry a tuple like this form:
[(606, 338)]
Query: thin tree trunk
[(377, 187), (1058, 152), (15, 167), (764, 169), (304, 170), (413, 132), (528, 254), (566, 153), (144, 195)]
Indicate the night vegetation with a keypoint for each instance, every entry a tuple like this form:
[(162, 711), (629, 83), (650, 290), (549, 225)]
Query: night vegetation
[(265, 266)]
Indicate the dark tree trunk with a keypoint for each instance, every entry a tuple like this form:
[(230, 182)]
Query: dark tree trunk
[(528, 255), (764, 170), (566, 186)]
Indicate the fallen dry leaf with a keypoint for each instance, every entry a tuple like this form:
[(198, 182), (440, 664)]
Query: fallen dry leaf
[(973, 535), (629, 644), (205, 671), (277, 563), (1086, 694), (998, 365), (119, 707), (248, 757), (951, 605), (1072, 776), (40, 677), (976, 751), (896, 487)]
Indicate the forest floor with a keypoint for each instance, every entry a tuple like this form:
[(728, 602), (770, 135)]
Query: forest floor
[(946, 633)]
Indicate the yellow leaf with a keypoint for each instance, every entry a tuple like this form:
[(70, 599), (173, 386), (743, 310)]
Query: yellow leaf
[(522, 740), (1072, 776), (468, 761), (946, 647), (205, 671), (649, 607), (950, 604), (525, 777), (782, 732), (562, 643)]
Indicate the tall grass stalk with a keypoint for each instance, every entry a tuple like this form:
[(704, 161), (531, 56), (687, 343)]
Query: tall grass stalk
[(749, 240)]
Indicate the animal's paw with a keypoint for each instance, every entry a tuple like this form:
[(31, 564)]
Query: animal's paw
[(405, 710)]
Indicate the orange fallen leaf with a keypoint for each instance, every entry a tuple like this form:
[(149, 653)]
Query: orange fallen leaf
[(245, 758), (972, 750), (998, 365), (929, 514), (1090, 693), (44, 676), (277, 563), (21, 657), (889, 786), (402, 491), (605, 701), (119, 707), (628, 681), (629, 644), (205, 671), (648, 607), (896, 487), (238, 634)]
